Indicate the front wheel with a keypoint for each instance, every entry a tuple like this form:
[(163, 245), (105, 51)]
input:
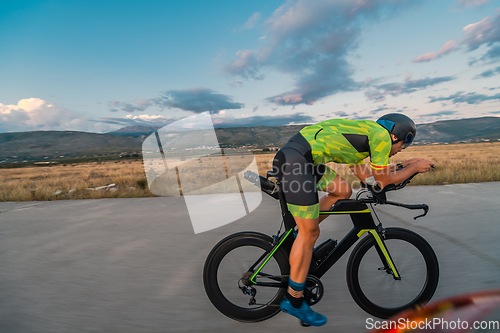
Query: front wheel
[(227, 273), (374, 287)]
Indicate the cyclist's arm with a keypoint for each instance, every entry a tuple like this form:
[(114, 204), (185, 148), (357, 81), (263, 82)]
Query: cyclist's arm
[(386, 176), (394, 167), (411, 161)]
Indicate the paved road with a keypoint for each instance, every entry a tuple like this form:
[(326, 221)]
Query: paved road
[(135, 265)]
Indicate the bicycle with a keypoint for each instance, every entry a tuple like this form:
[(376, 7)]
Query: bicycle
[(391, 269)]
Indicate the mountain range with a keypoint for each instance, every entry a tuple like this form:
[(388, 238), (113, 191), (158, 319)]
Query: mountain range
[(50, 145)]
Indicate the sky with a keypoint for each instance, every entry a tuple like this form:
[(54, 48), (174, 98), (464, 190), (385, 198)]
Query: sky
[(98, 66)]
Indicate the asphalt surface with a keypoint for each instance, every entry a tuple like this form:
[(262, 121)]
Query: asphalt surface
[(135, 265)]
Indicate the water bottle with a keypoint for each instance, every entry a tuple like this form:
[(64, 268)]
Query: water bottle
[(323, 250)]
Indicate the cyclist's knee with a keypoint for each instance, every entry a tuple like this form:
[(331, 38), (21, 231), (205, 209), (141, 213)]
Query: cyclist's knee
[(309, 230)]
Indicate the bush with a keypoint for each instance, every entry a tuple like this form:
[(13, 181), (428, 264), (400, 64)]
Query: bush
[(142, 183)]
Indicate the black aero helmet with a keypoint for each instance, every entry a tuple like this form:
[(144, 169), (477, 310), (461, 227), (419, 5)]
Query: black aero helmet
[(401, 126)]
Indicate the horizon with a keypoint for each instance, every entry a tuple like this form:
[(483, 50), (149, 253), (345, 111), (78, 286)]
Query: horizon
[(151, 126), (98, 67)]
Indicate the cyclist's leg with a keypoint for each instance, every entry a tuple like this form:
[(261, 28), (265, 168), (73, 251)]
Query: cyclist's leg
[(301, 253), (295, 174), (335, 186)]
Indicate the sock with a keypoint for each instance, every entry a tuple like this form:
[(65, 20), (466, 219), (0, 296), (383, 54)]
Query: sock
[(294, 294)]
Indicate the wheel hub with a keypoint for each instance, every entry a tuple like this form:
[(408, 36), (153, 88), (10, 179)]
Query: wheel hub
[(246, 279)]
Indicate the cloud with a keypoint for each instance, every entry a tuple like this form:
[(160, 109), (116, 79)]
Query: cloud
[(311, 40), (137, 105), (236, 83), (470, 98), (445, 49), (246, 66), (247, 121), (408, 76), (341, 114), (492, 55), (251, 22), (472, 3), (439, 114), (488, 73), (142, 120), (380, 109), (485, 32), (33, 114), (195, 100), (198, 100), (395, 89)]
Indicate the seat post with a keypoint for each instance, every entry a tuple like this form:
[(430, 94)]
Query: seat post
[(287, 216)]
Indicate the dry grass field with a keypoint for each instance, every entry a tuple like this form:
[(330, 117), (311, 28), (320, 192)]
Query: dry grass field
[(460, 163)]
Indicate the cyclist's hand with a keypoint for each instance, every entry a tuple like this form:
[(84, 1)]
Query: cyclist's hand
[(424, 165)]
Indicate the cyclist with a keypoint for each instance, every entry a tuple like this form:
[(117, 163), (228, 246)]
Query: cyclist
[(301, 170)]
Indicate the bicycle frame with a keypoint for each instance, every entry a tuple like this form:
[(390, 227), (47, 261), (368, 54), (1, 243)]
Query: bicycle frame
[(362, 222)]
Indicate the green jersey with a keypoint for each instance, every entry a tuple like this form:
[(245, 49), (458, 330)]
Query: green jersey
[(349, 141)]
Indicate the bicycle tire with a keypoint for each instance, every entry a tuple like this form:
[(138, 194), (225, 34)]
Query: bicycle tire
[(378, 298), (221, 283)]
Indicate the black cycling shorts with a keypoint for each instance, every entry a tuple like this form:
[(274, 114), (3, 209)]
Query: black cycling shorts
[(300, 179)]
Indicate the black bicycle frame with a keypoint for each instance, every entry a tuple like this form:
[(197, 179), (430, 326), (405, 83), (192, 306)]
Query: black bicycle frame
[(362, 222)]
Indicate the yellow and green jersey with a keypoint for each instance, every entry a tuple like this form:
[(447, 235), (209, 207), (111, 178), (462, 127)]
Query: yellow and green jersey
[(349, 141)]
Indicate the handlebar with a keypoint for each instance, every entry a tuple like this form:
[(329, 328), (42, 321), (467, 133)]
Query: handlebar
[(379, 196), (422, 206), (265, 184)]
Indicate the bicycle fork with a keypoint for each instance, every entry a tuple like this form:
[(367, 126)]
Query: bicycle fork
[(383, 253)]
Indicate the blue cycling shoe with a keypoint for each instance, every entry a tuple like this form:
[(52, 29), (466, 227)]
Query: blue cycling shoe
[(304, 313)]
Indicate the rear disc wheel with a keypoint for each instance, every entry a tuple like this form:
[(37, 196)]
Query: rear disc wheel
[(227, 276)]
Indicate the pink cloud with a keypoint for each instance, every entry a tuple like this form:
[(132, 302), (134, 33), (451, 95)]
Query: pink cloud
[(244, 65), (408, 76), (426, 57), (292, 98), (446, 48), (367, 80)]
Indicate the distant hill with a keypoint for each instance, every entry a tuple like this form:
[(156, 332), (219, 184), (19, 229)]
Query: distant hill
[(47, 145), (462, 130), (43, 145), (134, 131)]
